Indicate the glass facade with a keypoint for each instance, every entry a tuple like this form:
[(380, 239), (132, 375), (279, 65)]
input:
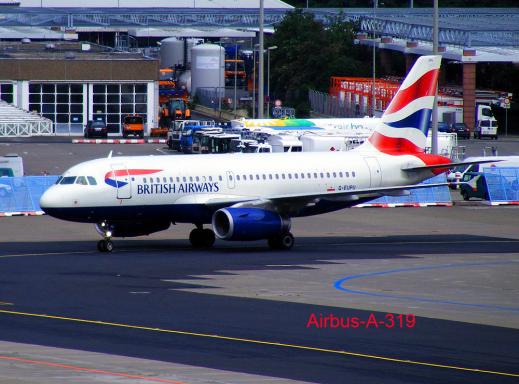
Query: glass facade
[(62, 103), (111, 102), (7, 92)]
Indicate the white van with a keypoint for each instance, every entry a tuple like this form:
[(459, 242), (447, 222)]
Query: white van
[(285, 143), (457, 173), (486, 123)]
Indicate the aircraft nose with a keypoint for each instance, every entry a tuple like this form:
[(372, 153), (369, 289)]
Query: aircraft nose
[(50, 199)]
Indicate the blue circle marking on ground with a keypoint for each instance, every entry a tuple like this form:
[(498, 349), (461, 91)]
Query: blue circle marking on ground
[(339, 285)]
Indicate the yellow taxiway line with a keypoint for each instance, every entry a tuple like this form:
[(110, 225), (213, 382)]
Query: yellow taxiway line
[(262, 342)]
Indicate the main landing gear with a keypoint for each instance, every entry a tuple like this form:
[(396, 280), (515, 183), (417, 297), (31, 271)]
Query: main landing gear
[(283, 242), (201, 238), (106, 244)]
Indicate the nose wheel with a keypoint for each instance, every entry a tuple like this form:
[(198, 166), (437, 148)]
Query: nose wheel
[(105, 246)]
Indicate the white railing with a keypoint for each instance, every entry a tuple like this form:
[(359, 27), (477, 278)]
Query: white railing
[(16, 122)]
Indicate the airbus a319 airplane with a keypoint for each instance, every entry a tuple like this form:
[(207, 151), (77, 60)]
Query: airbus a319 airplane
[(253, 196)]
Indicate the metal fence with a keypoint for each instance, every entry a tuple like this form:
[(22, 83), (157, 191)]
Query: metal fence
[(331, 106), (22, 194), (222, 98), (417, 197), (502, 184)]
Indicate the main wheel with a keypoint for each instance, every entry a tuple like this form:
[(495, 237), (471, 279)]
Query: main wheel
[(201, 238), (196, 238), (208, 238), (284, 241)]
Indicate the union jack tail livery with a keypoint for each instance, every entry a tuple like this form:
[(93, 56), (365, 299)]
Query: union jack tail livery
[(405, 122)]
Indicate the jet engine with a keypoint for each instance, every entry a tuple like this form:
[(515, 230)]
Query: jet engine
[(132, 228), (248, 224)]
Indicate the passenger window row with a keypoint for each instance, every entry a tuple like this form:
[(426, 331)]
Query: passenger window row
[(295, 176), (177, 179), (251, 177)]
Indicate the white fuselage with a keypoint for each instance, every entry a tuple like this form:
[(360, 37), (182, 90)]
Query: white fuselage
[(183, 182)]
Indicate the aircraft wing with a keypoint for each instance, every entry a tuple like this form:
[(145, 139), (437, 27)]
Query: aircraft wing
[(294, 202)]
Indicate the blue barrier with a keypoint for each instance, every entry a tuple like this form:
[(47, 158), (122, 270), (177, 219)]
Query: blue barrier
[(417, 197), (22, 194), (502, 184)]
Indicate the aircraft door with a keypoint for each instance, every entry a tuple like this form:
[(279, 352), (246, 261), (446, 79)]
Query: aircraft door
[(375, 172), (230, 180), (122, 181)]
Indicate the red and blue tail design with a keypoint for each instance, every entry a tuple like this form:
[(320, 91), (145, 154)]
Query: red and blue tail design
[(405, 122)]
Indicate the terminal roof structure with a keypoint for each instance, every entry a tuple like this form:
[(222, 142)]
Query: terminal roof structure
[(491, 30), (153, 4)]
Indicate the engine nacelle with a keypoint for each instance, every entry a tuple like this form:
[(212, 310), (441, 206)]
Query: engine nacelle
[(248, 224), (132, 228)]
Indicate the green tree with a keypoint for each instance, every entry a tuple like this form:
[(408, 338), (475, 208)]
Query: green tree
[(308, 55)]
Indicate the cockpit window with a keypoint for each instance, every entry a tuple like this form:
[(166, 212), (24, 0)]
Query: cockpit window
[(81, 180), (92, 180), (59, 179), (68, 180)]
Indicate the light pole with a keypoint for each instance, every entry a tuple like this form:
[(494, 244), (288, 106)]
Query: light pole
[(236, 70), (373, 95), (434, 122), (253, 83), (261, 79), (219, 92), (268, 77)]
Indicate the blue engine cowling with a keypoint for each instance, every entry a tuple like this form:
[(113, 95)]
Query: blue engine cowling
[(248, 224)]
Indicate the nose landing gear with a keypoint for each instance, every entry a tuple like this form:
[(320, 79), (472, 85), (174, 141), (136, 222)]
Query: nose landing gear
[(106, 244)]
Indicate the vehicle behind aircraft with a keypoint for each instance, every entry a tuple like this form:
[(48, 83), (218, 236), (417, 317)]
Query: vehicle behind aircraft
[(472, 180), (458, 173)]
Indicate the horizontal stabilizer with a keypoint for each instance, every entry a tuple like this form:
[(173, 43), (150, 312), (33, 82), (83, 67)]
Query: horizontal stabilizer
[(447, 165)]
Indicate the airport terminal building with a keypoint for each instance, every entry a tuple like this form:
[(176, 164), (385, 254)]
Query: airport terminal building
[(73, 82)]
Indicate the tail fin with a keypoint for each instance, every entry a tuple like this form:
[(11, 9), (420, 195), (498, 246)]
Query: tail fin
[(405, 122)]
